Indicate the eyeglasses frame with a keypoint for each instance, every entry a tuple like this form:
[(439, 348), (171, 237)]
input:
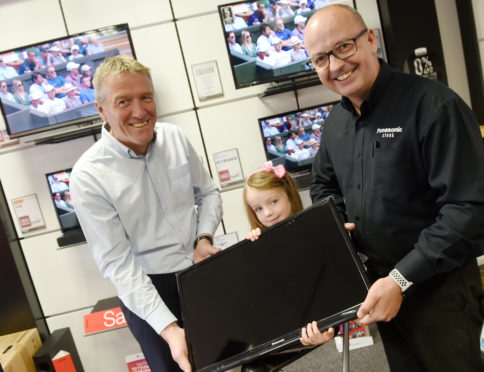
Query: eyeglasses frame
[(331, 52)]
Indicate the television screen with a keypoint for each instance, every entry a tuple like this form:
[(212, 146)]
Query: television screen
[(48, 85), (253, 298), (293, 138), (265, 39), (58, 183)]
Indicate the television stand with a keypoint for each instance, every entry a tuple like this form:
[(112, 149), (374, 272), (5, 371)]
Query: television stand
[(302, 179), (292, 84)]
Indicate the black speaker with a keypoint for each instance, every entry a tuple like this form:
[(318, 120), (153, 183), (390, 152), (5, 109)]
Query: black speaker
[(412, 37), (60, 339)]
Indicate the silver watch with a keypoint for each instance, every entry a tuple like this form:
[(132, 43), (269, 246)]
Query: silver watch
[(403, 283)]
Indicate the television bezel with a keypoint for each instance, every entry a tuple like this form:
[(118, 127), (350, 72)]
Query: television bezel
[(91, 119), (195, 280), (67, 170), (302, 169), (300, 75)]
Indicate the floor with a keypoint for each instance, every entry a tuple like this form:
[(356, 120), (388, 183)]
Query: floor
[(326, 358)]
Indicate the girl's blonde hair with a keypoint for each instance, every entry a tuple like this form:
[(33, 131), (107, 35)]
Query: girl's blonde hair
[(267, 180)]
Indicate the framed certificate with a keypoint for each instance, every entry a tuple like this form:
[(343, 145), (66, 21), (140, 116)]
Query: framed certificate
[(207, 80)]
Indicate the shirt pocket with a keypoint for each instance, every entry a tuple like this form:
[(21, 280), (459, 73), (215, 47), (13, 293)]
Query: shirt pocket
[(181, 184), (392, 169)]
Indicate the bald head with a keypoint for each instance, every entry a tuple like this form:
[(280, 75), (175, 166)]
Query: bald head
[(337, 35), (333, 16)]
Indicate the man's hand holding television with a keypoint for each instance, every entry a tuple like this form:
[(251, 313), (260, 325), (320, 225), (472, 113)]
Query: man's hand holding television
[(204, 248), (383, 300), (175, 338)]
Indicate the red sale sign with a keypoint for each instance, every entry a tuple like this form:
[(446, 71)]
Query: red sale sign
[(104, 320)]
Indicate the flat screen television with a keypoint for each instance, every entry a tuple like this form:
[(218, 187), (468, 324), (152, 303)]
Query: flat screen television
[(58, 183), (61, 63), (292, 138), (253, 298), (258, 62)]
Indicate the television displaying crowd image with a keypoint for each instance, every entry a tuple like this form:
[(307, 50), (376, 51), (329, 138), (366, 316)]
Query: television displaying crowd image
[(265, 39), (292, 138), (58, 183), (48, 85)]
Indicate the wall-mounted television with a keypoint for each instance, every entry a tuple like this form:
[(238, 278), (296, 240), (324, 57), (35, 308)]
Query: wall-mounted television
[(292, 138), (30, 73), (265, 39), (58, 183)]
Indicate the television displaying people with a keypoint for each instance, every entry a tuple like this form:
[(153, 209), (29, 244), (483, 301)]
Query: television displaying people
[(294, 136), (262, 22)]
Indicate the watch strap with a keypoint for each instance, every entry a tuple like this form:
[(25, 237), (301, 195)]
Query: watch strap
[(208, 237), (403, 283)]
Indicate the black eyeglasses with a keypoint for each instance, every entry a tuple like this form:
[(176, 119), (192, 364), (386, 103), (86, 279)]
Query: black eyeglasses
[(341, 51)]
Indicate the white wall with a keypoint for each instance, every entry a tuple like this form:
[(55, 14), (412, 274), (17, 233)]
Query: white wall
[(66, 280)]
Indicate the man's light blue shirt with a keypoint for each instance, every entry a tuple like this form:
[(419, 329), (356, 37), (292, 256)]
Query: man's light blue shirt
[(141, 214)]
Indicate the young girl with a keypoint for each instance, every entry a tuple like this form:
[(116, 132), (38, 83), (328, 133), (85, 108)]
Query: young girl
[(270, 196)]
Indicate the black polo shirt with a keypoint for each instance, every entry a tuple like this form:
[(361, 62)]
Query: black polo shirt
[(409, 172)]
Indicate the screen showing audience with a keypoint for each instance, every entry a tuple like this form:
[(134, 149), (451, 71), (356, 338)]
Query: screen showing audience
[(49, 84), (265, 39), (61, 197), (293, 138)]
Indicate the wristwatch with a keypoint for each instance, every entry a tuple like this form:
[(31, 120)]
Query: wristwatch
[(403, 283), (208, 237)]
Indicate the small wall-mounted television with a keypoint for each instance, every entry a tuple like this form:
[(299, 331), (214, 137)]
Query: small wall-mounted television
[(250, 44), (59, 188), (71, 57), (292, 138)]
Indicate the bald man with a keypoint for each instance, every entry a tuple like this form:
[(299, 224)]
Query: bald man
[(403, 158)]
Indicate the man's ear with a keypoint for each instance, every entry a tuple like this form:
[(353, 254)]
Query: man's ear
[(372, 40), (100, 109)]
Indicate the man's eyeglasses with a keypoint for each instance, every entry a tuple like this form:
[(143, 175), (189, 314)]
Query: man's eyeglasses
[(341, 51)]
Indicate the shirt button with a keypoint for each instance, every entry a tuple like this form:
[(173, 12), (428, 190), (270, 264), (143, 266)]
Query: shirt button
[(358, 186), (357, 218), (358, 154)]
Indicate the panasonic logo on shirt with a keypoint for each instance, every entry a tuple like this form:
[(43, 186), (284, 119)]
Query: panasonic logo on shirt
[(388, 132)]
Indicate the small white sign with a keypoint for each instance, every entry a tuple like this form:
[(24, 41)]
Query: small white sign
[(28, 213), (228, 167), (224, 241), (207, 80)]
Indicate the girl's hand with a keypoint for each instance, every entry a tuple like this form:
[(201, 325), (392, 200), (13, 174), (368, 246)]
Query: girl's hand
[(253, 234), (311, 335)]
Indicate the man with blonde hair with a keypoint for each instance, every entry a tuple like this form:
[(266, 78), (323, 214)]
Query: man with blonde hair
[(403, 158), (147, 206)]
